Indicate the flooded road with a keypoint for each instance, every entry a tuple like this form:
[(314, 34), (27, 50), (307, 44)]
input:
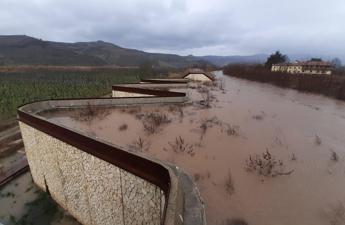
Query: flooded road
[(258, 153)]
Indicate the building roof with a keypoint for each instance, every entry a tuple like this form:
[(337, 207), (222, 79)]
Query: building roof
[(305, 63), (198, 71)]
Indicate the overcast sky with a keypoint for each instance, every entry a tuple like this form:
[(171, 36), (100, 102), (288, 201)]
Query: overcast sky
[(199, 27)]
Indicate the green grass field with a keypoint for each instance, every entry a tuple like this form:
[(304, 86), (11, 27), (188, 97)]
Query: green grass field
[(19, 88)]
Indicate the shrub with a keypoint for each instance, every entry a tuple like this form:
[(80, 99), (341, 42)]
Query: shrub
[(90, 112), (258, 117), (230, 130), (318, 140), (153, 121), (334, 156), (178, 109), (123, 127), (293, 157), (181, 146), (139, 145), (336, 214), (266, 165), (229, 185), (236, 221)]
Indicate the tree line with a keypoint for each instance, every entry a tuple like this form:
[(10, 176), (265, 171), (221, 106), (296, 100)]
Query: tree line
[(329, 85)]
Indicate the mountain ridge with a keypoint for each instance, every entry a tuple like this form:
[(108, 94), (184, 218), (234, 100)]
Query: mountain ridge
[(26, 50)]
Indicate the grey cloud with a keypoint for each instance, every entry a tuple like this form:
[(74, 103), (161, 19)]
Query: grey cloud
[(200, 27)]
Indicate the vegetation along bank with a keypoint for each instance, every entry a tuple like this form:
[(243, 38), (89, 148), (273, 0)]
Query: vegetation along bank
[(329, 85)]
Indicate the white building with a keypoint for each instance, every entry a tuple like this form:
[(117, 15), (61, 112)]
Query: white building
[(307, 67), (198, 75)]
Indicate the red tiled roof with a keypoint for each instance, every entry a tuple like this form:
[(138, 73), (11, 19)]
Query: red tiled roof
[(305, 63)]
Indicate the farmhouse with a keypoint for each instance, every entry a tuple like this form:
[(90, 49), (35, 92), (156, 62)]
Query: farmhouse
[(198, 75), (305, 67)]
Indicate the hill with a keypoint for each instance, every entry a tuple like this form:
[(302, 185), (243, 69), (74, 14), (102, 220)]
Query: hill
[(225, 60), (25, 50)]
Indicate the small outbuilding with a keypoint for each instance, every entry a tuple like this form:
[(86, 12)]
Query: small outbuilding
[(198, 75)]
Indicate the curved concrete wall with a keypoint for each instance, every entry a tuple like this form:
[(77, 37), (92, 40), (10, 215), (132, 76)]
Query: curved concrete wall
[(121, 94), (147, 90), (99, 183), (92, 190)]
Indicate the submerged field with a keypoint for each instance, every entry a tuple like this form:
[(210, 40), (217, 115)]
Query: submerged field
[(258, 153)]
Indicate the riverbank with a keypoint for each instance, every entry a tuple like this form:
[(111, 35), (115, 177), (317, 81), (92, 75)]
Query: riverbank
[(328, 85)]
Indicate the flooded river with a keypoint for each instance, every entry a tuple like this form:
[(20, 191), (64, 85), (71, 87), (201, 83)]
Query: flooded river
[(258, 153)]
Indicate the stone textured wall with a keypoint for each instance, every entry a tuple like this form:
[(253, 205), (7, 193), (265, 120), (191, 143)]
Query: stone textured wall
[(121, 94), (92, 190)]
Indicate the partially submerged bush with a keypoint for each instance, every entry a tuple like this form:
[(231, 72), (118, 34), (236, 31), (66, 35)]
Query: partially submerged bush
[(318, 140), (133, 110), (153, 121), (206, 95), (229, 185), (266, 165), (89, 113), (336, 214), (258, 117), (208, 123), (221, 84), (206, 98), (230, 130), (293, 157), (236, 221), (8, 195), (139, 145), (123, 127), (198, 176), (181, 146), (178, 109), (334, 156)]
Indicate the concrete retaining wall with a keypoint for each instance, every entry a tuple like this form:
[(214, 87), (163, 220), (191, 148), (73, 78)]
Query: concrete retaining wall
[(121, 94), (146, 89), (92, 190), (99, 183)]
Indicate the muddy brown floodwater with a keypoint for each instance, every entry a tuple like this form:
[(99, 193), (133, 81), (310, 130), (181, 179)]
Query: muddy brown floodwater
[(295, 141)]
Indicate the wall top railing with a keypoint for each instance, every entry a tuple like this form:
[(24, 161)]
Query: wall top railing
[(140, 89), (166, 81)]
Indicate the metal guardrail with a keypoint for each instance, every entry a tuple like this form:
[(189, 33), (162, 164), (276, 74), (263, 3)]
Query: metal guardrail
[(153, 92)]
